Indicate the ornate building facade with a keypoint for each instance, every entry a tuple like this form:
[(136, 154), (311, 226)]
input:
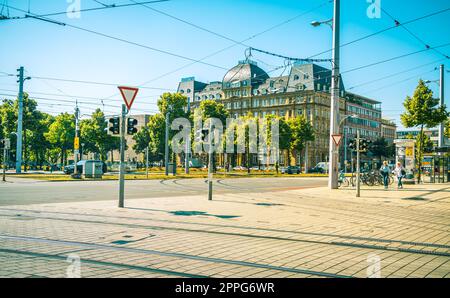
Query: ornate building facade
[(305, 90)]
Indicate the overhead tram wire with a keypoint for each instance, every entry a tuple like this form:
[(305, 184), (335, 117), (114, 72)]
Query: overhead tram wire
[(384, 30), (92, 82), (87, 9), (399, 82), (393, 75), (238, 43), (32, 15), (398, 23), (85, 97)]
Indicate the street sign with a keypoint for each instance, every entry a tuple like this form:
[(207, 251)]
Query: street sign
[(129, 95), (76, 143), (337, 139)]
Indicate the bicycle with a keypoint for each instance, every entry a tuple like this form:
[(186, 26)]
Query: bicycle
[(342, 180)]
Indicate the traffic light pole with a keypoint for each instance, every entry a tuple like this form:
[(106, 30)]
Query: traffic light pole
[(77, 149), (122, 159), (358, 166)]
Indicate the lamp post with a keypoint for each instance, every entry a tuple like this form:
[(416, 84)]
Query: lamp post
[(335, 90)]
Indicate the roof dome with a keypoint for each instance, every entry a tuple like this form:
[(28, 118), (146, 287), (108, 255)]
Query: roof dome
[(246, 71)]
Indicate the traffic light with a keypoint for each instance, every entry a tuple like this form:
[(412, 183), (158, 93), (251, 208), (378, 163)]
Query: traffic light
[(364, 145), (5, 143), (352, 145), (115, 127), (131, 129)]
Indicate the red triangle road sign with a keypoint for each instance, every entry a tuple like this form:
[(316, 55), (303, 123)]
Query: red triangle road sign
[(129, 95), (337, 139)]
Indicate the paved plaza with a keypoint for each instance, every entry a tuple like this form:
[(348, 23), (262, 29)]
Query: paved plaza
[(287, 232)]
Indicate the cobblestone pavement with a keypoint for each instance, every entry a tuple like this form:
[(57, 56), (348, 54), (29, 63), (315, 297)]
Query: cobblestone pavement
[(290, 233)]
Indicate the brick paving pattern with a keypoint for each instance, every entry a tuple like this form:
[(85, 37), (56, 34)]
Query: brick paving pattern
[(295, 233)]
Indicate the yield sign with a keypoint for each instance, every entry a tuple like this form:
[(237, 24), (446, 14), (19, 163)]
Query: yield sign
[(128, 94), (337, 139)]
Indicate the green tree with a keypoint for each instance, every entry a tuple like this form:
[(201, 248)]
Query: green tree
[(301, 132), (35, 124), (380, 148), (156, 130), (422, 110), (94, 135), (211, 109), (61, 134)]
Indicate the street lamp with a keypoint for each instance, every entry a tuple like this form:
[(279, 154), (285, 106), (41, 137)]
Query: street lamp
[(327, 22), (335, 90)]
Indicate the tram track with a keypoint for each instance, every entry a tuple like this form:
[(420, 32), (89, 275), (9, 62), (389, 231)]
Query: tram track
[(341, 241)]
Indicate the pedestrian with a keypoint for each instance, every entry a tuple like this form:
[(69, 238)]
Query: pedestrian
[(400, 172), (384, 170)]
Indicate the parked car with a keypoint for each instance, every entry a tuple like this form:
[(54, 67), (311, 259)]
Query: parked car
[(291, 170), (70, 169), (240, 168), (317, 170)]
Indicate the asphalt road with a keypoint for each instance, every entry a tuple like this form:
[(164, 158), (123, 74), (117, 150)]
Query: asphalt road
[(25, 191)]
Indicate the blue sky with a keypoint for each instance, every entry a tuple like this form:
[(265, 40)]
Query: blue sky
[(49, 50)]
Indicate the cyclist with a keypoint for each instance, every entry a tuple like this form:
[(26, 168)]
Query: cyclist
[(384, 170)]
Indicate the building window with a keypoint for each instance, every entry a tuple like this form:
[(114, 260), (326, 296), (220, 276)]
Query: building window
[(296, 77), (189, 91)]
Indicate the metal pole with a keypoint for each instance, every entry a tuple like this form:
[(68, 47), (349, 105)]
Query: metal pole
[(122, 158), (306, 158), (77, 149), (20, 124), (345, 149), (358, 167), (335, 90), (210, 163), (167, 144), (188, 143), (441, 96), (146, 161), (4, 160)]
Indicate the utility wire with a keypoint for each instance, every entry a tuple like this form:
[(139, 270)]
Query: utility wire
[(398, 23), (92, 82), (86, 9), (393, 75), (384, 30), (399, 82), (237, 43), (118, 39)]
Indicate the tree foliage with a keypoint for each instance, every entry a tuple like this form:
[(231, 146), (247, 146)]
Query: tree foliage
[(61, 134), (422, 110), (94, 135)]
